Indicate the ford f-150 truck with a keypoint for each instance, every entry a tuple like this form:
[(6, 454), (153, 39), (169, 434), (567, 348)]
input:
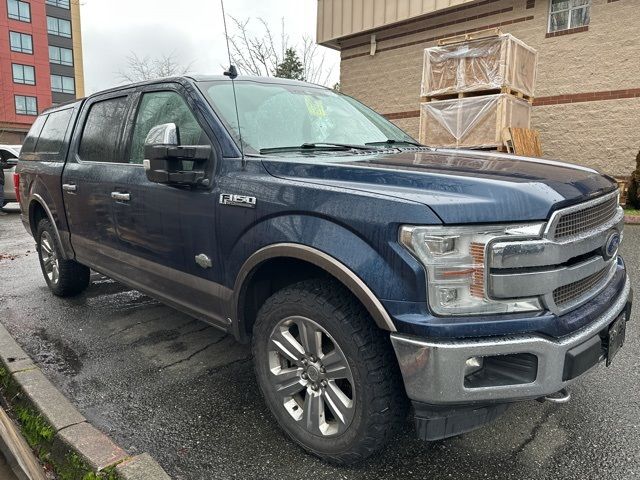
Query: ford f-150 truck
[(369, 273)]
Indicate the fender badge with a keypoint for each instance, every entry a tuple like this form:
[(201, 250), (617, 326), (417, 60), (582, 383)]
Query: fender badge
[(203, 261), (238, 200)]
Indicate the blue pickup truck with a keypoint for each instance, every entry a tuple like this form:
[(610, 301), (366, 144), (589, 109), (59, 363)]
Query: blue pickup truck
[(370, 273)]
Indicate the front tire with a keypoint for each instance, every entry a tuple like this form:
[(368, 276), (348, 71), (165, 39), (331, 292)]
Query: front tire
[(326, 371), (65, 278)]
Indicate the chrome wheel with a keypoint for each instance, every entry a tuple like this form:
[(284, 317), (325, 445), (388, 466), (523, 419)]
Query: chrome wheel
[(311, 375), (49, 258)]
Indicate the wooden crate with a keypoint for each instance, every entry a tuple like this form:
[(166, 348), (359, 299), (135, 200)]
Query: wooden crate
[(493, 91), (465, 37), (623, 185), (495, 62), (475, 122), (522, 141)]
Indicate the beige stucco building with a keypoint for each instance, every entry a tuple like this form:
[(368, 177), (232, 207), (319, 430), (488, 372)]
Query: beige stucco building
[(587, 105)]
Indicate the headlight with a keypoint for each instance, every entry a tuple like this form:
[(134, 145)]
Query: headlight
[(454, 258)]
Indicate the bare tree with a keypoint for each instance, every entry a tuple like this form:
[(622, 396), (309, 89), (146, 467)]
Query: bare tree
[(148, 68), (313, 62), (261, 53)]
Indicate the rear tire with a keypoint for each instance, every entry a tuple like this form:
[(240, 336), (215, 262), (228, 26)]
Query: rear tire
[(65, 278), (327, 372)]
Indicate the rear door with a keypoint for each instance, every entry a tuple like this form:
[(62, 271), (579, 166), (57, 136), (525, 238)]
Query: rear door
[(96, 164)]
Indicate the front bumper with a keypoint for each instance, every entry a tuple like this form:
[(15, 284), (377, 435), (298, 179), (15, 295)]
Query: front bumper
[(434, 371)]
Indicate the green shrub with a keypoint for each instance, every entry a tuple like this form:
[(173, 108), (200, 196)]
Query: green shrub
[(633, 195)]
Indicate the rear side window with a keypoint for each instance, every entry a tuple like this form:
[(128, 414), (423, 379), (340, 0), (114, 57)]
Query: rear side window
[(102, 129), (30, 142), (54, 132)]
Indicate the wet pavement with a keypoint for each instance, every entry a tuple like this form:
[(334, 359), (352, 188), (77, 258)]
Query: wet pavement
[(159, 381)]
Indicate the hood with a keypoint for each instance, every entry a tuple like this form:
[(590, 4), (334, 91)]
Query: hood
[(459, 186)]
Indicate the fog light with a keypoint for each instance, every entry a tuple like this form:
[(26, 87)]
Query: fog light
[(473, 365), (500, 370)]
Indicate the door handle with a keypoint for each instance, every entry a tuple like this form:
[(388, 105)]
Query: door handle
[(69, 187), (121, 197)]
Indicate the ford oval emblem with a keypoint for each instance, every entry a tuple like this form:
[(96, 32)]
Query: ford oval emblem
[(611, 247)]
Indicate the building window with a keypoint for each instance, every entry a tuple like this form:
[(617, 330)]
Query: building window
[(62, 84), (21, 42), (58, 26), (61, 56), (19, 10), (59, 3), (566, 14), (26, 105), (25, 74)]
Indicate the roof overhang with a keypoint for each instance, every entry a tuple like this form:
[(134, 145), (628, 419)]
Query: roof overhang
[(341, 19)]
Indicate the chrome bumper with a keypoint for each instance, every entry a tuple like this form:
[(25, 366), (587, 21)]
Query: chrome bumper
[(434, 371)]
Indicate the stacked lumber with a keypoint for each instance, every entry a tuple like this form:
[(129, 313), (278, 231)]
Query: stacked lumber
[(475, 86)]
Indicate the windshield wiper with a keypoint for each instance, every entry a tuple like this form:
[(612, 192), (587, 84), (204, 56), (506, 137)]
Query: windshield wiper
[(317, 146), (392, 141)]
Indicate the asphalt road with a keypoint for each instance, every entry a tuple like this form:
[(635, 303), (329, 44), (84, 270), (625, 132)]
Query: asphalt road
[(158, 381)]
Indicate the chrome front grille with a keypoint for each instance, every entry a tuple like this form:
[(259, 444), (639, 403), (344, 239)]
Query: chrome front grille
[(567, 265), (573, 293), (586, 219)]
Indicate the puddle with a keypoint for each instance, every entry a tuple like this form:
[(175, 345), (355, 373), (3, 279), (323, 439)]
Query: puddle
[(55, 354)]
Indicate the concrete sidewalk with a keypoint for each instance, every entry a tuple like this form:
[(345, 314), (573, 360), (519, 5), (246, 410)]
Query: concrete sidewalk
[(5, 471)]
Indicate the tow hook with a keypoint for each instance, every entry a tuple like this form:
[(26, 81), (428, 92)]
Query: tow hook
[(562, 396)]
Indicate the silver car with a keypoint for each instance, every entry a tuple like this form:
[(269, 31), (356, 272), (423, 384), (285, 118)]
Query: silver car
[(9, 154)]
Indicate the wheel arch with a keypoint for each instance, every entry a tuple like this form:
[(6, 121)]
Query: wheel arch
[(37, 211), (307, 262)]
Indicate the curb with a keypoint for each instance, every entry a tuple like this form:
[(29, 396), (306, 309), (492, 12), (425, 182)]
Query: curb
[(632, 219), (57, 431)]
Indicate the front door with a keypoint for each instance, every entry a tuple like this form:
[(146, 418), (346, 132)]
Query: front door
[(167, 233)]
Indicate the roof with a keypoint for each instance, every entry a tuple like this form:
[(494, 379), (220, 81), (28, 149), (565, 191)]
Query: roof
[(197, 78), (250, 78)]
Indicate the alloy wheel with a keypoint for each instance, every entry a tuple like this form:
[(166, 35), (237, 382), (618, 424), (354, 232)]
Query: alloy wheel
[(49, 258), (311, 375)]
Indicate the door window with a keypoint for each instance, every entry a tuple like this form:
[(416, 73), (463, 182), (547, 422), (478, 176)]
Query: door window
[(54, 132), (30, 142), (101, 134), (157, 108)]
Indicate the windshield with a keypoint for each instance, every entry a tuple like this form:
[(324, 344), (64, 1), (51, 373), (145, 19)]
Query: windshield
[(282, 115)]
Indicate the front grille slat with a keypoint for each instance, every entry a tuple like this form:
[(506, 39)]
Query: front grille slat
[(569, 294), (585, 220)]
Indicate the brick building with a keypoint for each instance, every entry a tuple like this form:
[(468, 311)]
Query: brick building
[(40, 61), (587, 105)]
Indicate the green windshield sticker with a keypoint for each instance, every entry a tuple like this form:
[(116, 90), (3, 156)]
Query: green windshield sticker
[(315, 107)]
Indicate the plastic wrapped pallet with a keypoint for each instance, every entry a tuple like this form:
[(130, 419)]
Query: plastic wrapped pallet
[(474, 122), (483, 64)]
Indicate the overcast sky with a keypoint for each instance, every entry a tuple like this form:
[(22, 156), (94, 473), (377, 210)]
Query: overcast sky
[(192, 29)]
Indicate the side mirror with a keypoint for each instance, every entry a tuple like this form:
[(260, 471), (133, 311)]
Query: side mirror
[(168, 162)]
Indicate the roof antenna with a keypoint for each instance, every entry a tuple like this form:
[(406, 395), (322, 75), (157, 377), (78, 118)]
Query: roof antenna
[(232, 73)]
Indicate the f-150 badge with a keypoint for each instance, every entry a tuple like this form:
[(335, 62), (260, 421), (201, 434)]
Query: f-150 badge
[(238, 200)]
